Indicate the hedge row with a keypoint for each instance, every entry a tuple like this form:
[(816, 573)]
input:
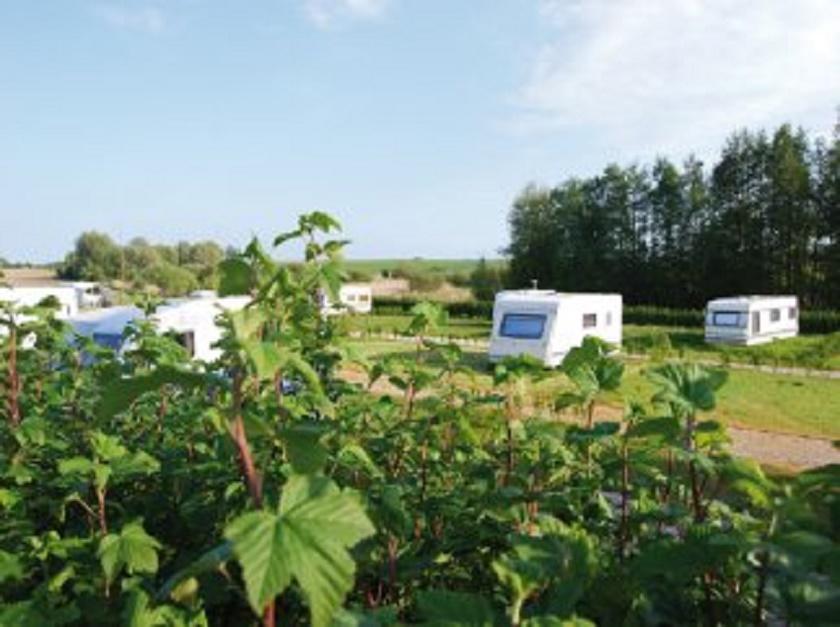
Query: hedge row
[(809, 322), (463, 309)]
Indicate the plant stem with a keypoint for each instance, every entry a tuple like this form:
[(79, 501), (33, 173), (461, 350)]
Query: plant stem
[(13, 380), (103, 521), (625, 501), (249, 470)]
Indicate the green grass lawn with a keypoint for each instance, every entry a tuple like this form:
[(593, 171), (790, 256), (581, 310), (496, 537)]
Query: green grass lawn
[(807, 351), (757, 400), (471, 328)]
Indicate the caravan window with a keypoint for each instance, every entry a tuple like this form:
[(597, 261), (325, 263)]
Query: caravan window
[(728, 319), (775, 315), (523, 326), (792, 313), (590, 320)]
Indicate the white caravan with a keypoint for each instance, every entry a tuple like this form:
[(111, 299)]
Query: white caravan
[(353, 298), (751, 320), (192, 321), (66, 296), (547, 324)]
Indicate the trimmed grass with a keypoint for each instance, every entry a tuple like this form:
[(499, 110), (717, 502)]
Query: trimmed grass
[(807, 351), (470, 328), (755, 400)]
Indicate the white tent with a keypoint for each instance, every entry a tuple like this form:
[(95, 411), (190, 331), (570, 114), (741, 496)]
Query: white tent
[(547, 324), (751, 319)]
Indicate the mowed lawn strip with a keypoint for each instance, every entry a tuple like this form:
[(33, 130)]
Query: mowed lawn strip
[(807, 351), (755, 400)]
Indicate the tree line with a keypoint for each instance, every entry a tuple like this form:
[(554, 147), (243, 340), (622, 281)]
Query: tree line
[(764, 218), (174, 270)]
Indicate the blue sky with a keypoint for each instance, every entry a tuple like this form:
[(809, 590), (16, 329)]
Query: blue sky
[(416, 122)]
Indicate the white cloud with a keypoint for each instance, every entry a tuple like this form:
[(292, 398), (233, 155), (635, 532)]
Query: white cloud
[(671, 75), (327, 14), (144, 19)]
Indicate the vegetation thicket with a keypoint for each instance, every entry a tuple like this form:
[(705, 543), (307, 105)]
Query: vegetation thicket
[(175, 270), (764, 218), (266, 487)]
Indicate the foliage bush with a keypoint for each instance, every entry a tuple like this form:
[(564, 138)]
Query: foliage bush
[(147, 490), (419, 280)]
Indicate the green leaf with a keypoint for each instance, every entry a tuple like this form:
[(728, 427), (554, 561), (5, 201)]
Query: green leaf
[(119, 395), (10, 567), (307, 540), (235, 277), (303, 447), (450, 609), (75, 466), (209, 561), (268, 359), (132, 549)]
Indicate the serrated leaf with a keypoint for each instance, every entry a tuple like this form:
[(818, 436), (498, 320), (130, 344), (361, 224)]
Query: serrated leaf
[(307, 541), (132, 549)]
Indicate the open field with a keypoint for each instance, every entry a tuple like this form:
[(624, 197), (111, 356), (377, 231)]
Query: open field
[(432, 266), (755, 400)]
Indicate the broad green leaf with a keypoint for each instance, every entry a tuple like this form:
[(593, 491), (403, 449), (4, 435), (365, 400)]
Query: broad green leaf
[(307, 541), (303, 447), (247, 322), (119, 395), (10, 567), (76, 466), (268, 359), (132, 548)]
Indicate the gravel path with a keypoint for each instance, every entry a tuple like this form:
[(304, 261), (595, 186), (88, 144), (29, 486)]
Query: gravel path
[(783, 449)]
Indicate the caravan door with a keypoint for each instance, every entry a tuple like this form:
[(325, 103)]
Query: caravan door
[(756, 323)]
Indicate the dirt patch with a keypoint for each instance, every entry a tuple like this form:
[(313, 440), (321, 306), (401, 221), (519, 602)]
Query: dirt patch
[(29, 277)]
